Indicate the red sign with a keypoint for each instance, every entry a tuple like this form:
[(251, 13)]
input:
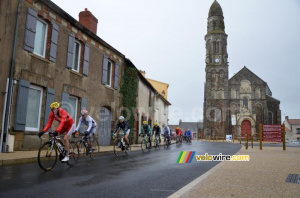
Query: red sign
[(272, 133)]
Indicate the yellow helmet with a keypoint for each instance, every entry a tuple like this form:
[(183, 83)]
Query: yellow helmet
[(54, 105), (155, 124), (144, 122)]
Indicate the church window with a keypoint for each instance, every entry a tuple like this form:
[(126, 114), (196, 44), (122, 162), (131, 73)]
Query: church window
[(245, 103), (218, 115), (270, 117)]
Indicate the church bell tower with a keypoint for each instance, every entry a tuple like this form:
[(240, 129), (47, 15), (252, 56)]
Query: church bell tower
[(216, 95)]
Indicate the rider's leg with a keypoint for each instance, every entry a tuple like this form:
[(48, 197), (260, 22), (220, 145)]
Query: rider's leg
[(126, 136), (91, 136), (66, 140), (149, 139)]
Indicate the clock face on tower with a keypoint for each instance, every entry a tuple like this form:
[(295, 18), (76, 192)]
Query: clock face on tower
[(217, 60)]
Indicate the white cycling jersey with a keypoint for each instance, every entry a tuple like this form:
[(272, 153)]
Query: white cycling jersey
[(88, 121)]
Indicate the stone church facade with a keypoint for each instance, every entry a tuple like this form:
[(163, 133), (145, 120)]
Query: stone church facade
[(237, 105)]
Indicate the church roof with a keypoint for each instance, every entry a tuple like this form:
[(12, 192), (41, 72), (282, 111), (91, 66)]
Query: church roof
[(215, 9), (294, 121), (245, 69)]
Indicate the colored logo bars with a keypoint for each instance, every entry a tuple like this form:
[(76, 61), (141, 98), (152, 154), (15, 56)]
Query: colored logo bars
[(185, 156)]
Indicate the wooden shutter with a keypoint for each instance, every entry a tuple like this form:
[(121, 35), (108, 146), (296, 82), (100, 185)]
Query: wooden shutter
[(53, 46), (30, 30), (70, 51), (116, 83), (49, 100), (104, 69), (21, 108), (86, 60)]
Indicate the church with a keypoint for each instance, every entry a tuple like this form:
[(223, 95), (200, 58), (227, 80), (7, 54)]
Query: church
[(235, 105)]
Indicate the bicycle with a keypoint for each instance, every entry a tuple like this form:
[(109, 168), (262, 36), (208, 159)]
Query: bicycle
[(188, 139), (84, 147), (48, 152), (179, 139), (119, 145), (167, 143), (145, 144), (156, 142)]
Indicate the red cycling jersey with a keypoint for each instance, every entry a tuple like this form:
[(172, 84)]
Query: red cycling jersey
[(178, 131), (65, 120)]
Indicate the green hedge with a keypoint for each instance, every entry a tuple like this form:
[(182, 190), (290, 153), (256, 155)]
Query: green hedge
[(129, 94)]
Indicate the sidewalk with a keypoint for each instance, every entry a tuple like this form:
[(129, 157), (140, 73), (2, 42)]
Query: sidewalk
[(19, 157), (263, 176)]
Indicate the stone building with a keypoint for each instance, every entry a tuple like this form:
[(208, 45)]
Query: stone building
[(235, 105), (60, 59)]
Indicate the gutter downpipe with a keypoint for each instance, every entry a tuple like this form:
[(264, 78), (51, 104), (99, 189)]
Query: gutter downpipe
[(10, 85)]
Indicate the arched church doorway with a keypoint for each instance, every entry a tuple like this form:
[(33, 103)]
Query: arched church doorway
[(246, 128)]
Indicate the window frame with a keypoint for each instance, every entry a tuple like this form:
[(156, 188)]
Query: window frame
[(109, 82), (74, 55), (76, 108), (45, 38), (297, 130), (40, 108)]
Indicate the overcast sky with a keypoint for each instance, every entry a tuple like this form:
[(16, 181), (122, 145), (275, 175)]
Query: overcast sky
[(166, 39)]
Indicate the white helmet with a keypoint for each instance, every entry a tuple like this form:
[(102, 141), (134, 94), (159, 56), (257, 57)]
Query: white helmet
[(84, 112), (121, 118)]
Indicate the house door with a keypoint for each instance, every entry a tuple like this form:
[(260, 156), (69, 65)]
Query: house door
[(105, 127), (246, 128)]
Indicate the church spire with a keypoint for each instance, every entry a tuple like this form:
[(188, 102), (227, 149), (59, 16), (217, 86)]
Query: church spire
[(215, 21)]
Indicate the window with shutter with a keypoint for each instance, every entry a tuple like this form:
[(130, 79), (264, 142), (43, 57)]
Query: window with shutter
[(34, 105), (40, 38), (21, 106)]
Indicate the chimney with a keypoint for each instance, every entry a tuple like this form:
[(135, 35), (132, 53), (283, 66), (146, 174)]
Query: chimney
[(143, 73), (87, 19)]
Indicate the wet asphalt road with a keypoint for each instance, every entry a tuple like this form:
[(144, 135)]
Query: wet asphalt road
[(151, 174)]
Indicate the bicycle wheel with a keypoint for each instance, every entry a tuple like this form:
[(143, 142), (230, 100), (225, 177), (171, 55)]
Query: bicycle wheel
[(73, 154), (127, 151), (144, 145), (117, 148), (95, 149), (82, 148), (47, 157), (157, 145)]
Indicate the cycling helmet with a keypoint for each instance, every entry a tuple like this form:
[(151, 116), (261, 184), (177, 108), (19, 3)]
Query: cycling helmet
[(54, 105), (155, 124), (144, 122), (84, 112), (121, 118)]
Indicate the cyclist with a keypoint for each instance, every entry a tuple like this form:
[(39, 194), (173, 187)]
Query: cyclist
[(66, 125), (166, 131), (188, 133), (125, 128), (156, 130), (178, 132), (88, 121), (146, 130)]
